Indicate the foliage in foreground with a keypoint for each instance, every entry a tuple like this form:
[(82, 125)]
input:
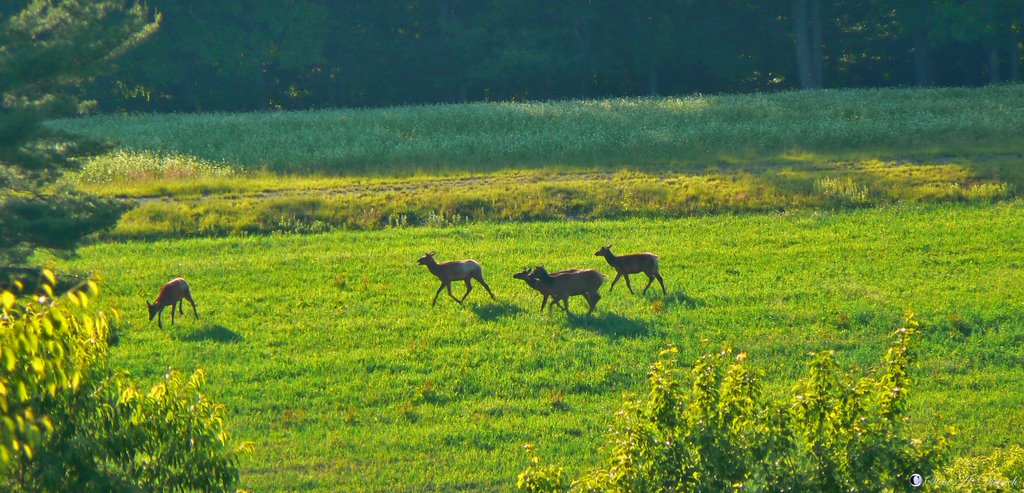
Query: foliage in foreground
[(838, 432), (70, 422)]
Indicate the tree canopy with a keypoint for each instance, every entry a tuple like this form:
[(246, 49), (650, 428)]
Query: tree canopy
[(232, 55), (47, 49)]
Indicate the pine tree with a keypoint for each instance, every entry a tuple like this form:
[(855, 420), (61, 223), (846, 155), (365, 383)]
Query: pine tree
[(48, 48)]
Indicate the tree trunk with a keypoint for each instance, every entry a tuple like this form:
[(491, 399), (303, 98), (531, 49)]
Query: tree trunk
[(581, 28), (991, 13), (455, 75), (652, 81), (1015, 52), (993, 65), (263, 100), (817, 56), (332, 86), (922, 61), (804, 64)]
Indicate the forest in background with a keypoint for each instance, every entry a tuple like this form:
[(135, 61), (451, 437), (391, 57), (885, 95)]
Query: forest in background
[(234, 55)]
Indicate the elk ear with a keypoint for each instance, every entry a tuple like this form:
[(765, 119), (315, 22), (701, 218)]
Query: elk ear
[(431, 254), (609, 246)]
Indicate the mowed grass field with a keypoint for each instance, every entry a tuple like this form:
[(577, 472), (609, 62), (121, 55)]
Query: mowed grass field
[(786, 224), (328, 355)]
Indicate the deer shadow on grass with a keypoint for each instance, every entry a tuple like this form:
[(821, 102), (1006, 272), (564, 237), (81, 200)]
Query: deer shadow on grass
[(490, 312), (680, 298), (216, 333), (610, 325)]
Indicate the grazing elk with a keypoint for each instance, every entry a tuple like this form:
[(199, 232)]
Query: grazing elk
[(536, 284), (631, 264), (462, 270), (564, 284), (170, 295)]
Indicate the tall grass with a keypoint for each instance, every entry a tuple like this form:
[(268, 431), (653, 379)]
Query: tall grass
[(264, 204), (637, 132)]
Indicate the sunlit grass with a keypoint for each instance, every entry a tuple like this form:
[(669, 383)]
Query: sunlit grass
[(329, 357), (264, 203), (639, 133), (786, 223)]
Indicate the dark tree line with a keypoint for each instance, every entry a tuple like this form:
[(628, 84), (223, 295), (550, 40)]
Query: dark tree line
[(234, 54), (260, 54)]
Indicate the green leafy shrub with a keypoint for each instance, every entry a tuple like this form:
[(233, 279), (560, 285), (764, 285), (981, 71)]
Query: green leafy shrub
[(70, 422), (837, 432)]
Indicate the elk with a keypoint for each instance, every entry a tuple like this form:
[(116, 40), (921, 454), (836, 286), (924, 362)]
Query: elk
[(461, 270), (564, 284), (631, 264), (170, 295), (536, 284)]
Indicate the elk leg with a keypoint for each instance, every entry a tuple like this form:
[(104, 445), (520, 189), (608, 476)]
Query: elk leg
[(617, 276), (437, 293), (449, 286), (160, 318), (662, 282), (172, 313), (196, 312), (650, 279), (543, 303), (188, 296), (469, 287), (627, 284), (593, 299), (480, 277), (554, 302)]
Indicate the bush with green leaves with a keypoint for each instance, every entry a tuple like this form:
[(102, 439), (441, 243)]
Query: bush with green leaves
[(70, 422), (837, 432)]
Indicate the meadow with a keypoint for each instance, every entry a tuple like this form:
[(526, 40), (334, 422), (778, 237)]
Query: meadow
[(329, 357), (786, 223), (316, 171), (639, 133)]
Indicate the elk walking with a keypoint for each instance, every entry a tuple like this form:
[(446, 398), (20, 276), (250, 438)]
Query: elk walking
[(540, 287), (574, 282), (170, 295), (461, 270), (631, 264)]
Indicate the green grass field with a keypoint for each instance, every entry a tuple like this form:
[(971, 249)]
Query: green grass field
[(232, 174), (786, 224), (642, 133), (328, 355)]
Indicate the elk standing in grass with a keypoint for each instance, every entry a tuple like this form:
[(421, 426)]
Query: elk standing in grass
[(564, 284), (631, 264), (535, 283), (170, 295), (462, 270)]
